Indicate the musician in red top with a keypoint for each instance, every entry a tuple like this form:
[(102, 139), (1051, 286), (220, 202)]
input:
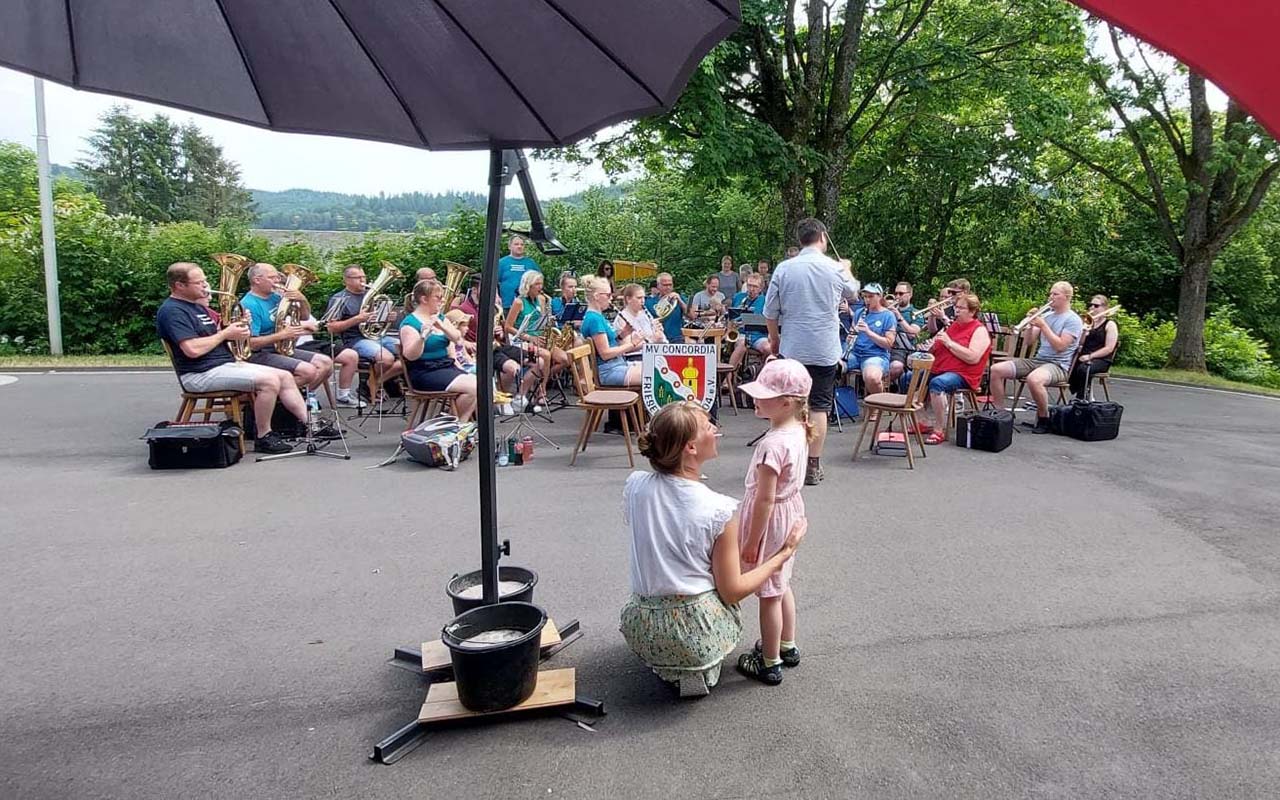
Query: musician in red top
[(960, 355)]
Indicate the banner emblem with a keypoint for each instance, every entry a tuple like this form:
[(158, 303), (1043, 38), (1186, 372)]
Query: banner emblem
[(678, 372)]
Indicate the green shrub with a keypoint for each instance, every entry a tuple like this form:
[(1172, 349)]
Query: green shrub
[(1235, 353)]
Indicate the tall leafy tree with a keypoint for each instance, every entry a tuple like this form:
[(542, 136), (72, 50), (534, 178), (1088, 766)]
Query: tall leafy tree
[(1200, 175)]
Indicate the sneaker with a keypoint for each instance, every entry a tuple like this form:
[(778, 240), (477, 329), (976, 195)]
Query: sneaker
[(813, 477), (790, 658), (351, 402), (1041, 426), (506, 410), (271, 443), (752, 665)]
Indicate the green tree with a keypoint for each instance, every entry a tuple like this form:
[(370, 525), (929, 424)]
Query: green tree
[(1200, 175), (211, 189), (18, 196)]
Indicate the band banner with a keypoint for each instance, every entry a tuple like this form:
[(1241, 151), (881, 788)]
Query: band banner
[(677, 372)]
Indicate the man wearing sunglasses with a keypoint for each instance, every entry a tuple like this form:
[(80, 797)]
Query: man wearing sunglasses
[(910, 322)]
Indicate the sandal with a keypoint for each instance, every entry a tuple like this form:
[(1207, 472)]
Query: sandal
[(752, 665), (926, 429), (934, 437)]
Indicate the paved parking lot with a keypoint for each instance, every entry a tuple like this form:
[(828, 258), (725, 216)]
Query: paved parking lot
[(1058, 620)]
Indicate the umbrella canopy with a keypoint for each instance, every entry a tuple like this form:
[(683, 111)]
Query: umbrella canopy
[(441, 74), (1230, 42)]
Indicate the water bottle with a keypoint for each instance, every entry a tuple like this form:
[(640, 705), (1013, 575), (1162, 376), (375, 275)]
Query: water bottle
[(502, 455), (313, 402)]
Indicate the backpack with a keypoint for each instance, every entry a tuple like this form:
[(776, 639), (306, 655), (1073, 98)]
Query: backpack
[(440, 442)]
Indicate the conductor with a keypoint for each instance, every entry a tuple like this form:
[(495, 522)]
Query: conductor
[(801, 312)]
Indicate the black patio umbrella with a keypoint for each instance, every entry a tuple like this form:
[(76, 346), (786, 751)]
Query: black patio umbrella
[(439, 74)]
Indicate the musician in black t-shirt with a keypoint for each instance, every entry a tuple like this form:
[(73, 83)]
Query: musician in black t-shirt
[(204, 362), (345, 324)]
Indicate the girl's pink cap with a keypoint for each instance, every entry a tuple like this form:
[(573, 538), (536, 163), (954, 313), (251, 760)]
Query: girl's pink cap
[(781, 376)]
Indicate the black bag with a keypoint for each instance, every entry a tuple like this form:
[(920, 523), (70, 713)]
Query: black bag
[(191, 445), (990, 429), (1086, 420)]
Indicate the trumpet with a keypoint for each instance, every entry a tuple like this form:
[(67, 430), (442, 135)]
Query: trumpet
[(1032, 315), (1090, 320), (937, 305)]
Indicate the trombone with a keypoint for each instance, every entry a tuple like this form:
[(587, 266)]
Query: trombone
[(1090, 320)]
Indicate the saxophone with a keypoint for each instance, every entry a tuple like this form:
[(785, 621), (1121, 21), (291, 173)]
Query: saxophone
[(233, 267), (289, 312)]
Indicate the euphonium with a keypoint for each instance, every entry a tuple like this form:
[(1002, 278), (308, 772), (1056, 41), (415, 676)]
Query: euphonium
[(380, 304), (233, 267), (454, 276), (289, 312)]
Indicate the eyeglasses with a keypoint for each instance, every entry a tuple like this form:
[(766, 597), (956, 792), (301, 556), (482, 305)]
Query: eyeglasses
[(899, 294), (1095, 305)]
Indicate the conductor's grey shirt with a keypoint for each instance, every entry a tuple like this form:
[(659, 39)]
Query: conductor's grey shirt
[(804, 297)]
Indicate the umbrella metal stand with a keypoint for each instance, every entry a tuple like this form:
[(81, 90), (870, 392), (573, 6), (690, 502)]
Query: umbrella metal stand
[(504, 166)]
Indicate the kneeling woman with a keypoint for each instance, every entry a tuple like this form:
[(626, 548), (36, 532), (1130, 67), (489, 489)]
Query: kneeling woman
[(426, 344), (686, 579)]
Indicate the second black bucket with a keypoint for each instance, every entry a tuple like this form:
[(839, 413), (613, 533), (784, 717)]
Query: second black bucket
[(494, 650), (514, 584)]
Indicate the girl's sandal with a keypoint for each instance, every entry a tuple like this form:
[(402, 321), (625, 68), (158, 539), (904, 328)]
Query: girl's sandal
[(752, 665)]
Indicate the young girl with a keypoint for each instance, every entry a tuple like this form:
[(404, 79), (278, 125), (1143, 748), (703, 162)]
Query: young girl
[(772, 505)]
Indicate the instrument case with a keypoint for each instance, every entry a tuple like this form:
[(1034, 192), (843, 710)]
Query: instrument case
[(990, 429), (193, 445), (1086, 420)]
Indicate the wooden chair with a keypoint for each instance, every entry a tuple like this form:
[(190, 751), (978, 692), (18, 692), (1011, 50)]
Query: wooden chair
[(877, 405), (970, 397), (228, 402), (426, 405), (597, 402), (1004, 345), (727, 383)]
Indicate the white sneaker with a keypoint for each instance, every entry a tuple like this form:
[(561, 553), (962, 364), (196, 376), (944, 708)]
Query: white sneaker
[(351, 402), (518, 403), (506, 410)]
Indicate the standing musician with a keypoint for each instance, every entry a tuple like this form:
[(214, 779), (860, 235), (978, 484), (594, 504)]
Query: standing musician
[(262, 301), (528, 317), (874, 331), (635, 318), (1098, 348), (710, 301), (910, 323), (1058, 329), (960, 357), (611, 366), (345, 324), (673, 323), (426, 339), (204, 362), (750, 301), (801, 310)]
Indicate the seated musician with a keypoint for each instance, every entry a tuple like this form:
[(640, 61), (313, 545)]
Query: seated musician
[(506, 358), (568, 295), (960, 355), (423, 273), (704, 302), (204, 362), (673, 323), (426, 336), (943, 312), (635, 318), (262, 301), (345, 324), (529, 317), (611, 366), (750, 301), (1059, 332), (910, 323), (687, 577), (874, 330), (1098, 348)]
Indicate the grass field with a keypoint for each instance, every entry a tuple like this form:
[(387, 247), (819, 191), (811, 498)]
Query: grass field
[(1192, 379)]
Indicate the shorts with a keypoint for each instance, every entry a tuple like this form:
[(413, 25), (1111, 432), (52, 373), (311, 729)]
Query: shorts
[(237, 376), (323, 347), (270, 358), (368, 349), (870, 361), (501, 355), (433, 376), (822, 394), (392, 345), (1022, 367), (613, 372)]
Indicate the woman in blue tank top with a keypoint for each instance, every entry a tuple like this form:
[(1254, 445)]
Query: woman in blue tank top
[(426, 344), (613, 369)]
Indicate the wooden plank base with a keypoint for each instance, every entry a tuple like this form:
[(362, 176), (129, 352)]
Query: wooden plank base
[(555, 688), (436, 656)]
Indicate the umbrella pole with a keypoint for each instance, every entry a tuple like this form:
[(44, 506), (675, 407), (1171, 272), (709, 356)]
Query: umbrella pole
[(499, 177)]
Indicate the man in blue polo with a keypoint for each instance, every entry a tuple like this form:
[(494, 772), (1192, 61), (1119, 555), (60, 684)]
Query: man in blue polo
[(511, 268), (673, 324)]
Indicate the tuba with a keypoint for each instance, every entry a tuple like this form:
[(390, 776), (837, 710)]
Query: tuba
[(289, 312), (233, 267), (380, 304), (454, 276)]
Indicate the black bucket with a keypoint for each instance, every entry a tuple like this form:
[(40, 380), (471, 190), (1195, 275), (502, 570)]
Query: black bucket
[(514, 584), (497, 674)]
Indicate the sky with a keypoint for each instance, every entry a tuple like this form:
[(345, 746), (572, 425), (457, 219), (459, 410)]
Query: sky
[(273, 161)]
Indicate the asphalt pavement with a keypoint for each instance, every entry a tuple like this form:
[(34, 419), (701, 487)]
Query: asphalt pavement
[(1062, 619)]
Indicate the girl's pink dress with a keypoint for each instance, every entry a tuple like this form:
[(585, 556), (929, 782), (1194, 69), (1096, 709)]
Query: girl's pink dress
[(786, 452)]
